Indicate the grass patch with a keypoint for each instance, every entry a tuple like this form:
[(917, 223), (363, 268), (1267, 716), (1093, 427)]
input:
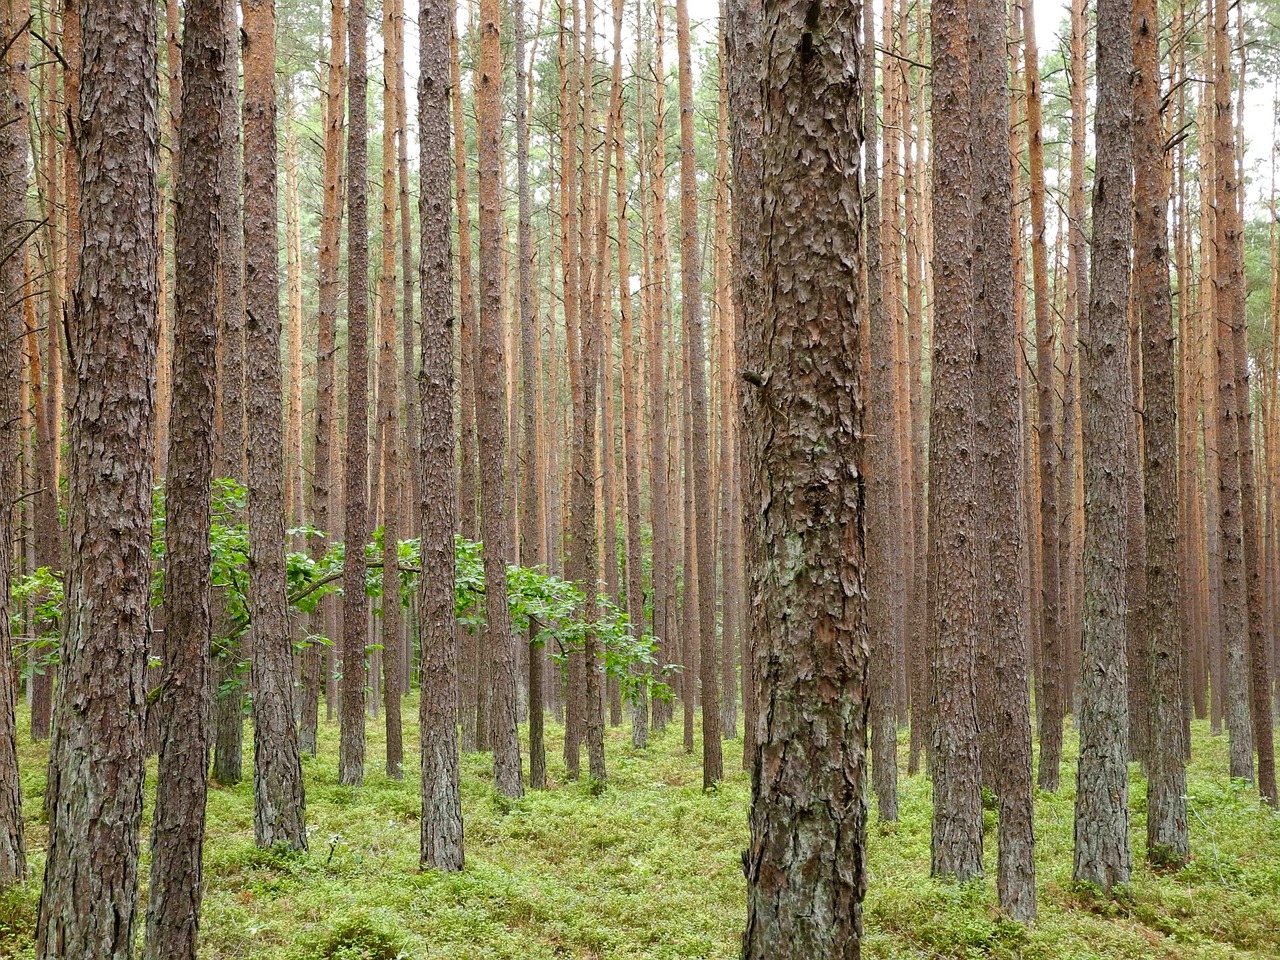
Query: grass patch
[(649, 868)]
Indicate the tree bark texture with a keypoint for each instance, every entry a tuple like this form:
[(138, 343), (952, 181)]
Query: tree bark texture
[(88, 905), (806, 867)]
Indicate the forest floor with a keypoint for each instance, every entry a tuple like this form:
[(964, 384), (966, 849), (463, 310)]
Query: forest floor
[(651, 868)]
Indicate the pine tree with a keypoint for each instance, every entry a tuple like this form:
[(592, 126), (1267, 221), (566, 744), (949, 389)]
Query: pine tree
[(88, 906)]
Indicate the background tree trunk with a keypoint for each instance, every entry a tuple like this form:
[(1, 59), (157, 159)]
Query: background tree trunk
[(279, 806)]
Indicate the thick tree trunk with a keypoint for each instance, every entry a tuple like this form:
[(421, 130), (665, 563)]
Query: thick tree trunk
[(441, 847), (1004, 552), (953, 559), (279, 806), (1102, 779), (491, 412), (1167, 842), (808, 815), (89, 901), (177, 828)]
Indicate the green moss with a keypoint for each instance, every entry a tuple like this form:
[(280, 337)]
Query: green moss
[(648, 867)]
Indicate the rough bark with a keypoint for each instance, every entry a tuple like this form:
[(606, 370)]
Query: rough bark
[(177, 827), (1102, 776), (88, 905), (441, 847), (1167, 842), (491, 411), (1227, 278), (355, 607), (806, 868), (953, 559), (279, 806), (1004, 552)]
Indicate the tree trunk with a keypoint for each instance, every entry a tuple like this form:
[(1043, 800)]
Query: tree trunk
[(1000, 465), (177, 828), (884, 528), (1167, 842), (355, 607), (742, 47), (808, 815), (229, 441), (89, 901), (694, 327), (389, 413), (531, 527), (441, 847), (953, 559), (1102, 778), (279, 805), (1053, 658), (322, 513), (630, 390), (491, 411), (13, 227)]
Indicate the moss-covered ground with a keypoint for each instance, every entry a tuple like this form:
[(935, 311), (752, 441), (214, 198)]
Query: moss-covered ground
[(650, 867)]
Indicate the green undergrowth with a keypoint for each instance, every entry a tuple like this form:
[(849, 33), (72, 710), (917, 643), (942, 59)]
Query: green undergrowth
[(651, 867)]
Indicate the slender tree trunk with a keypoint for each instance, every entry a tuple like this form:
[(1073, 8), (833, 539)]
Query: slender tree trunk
[(531, 552), (229, 443), (177, 828), (694, 326), (279, 806), (742, 47), (389, 412), (1233, 322), (808, 815), (89, 901), (322, 513), (630, 389), (957, 811), (1102, 778), (884, 517), (474, 695), (1052, 675), (13, 227), (727, 481), (355, 608)]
